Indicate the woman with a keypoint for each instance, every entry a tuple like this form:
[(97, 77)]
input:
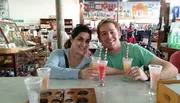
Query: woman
[(73, 63)]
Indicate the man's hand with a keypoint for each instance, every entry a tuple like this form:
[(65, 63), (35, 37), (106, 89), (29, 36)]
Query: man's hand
[(136, 74), (88, 73)]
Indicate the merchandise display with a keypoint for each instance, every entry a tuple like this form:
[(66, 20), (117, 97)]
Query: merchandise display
[(15, 54), (11, 34), (138, 12), (68, 23), (174, 36)]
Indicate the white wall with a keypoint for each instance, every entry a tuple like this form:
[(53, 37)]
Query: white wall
[(71, 10), (32, 10)]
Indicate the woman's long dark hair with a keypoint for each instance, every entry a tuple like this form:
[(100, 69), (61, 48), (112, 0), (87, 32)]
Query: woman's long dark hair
[(76, 31)]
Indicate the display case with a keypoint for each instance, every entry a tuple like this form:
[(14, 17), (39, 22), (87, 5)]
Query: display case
[(9, 33), (14, 53)]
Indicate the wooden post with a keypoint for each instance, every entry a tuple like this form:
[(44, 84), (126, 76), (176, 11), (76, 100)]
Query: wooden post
[(81, 9), (164, 17), (118, 11), (59, 23)]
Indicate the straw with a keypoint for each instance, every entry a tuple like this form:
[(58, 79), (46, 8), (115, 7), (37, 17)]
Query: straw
[(100, 54), (127, 51), (105, 56)]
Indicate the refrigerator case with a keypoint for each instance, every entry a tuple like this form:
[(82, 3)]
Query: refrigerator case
[(174, 36)]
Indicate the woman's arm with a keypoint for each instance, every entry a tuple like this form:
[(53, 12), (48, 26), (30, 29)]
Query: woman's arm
[(56, 62)]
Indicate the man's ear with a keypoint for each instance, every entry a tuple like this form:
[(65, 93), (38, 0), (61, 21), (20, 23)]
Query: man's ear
[(119, 34)]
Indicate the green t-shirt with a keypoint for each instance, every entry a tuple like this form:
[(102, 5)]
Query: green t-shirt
[(141, 56)]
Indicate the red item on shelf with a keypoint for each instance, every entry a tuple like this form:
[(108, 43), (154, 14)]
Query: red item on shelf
[(131, 40)]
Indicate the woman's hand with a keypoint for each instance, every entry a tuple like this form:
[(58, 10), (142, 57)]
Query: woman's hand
[(137, 74), (88, 73)]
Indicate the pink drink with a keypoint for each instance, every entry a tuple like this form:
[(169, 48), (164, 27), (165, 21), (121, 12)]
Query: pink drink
[(155, 71), (102, 65), (102, 71), (155, 78), (94, 64)]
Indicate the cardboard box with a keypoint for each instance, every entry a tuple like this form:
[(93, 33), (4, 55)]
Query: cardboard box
[(167, 95)]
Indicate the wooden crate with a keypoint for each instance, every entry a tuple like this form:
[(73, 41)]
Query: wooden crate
[(165, 94)]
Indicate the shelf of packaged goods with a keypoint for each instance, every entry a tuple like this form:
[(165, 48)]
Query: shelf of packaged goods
[(23, 57), (21, 63), (46, 20), (6, 68)]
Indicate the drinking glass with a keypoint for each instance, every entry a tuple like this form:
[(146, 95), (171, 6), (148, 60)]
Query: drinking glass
[(33, 86), (155, 71), (94, 64), (127, 65), (102, 66), (44, 73)]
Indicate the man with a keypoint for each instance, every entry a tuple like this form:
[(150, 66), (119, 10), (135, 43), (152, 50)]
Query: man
[(52, 37), (109, 35)]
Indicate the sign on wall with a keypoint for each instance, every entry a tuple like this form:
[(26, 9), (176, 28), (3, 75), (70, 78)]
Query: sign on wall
[(4, 9), (127, 10)]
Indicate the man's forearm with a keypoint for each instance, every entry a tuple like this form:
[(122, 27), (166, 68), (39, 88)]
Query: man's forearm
[(114, 71), (169, 71)]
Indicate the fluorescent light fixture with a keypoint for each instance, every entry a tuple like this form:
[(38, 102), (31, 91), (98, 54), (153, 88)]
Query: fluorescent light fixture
[(124, 0)]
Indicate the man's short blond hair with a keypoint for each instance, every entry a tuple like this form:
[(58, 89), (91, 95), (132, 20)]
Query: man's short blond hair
[(104, 21)]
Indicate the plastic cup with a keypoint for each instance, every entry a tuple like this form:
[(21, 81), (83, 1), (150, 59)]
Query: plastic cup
[(155, 71), (102, 66), (94, 64), (127, 65), (33, 86), (44, 73)]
